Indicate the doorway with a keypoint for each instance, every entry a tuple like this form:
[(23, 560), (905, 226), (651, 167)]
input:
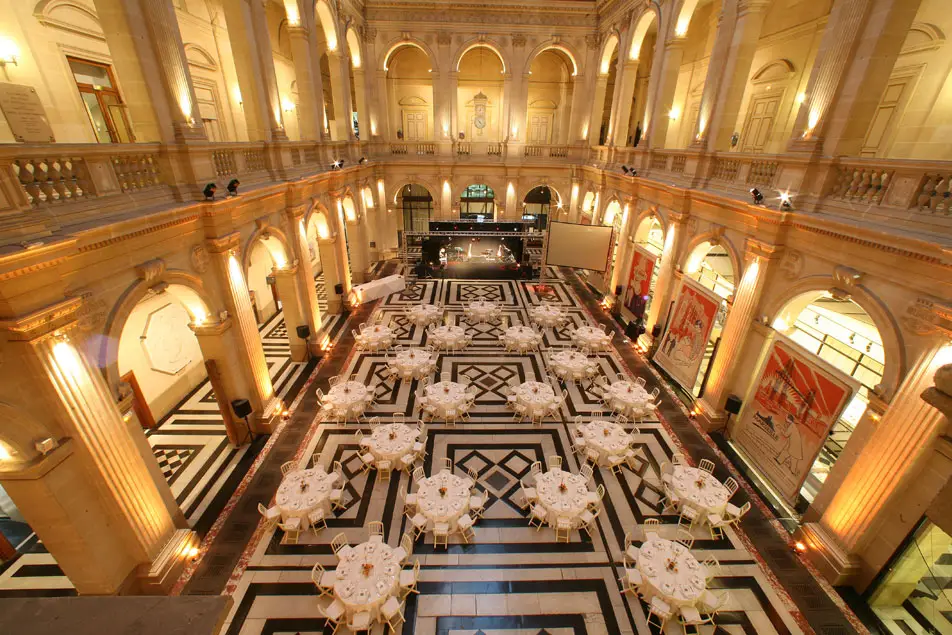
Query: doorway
[(97, 89), (761, 116)]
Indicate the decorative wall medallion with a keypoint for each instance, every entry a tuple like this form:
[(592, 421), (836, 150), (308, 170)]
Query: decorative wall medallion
[(444, 39), (519, 40), (928, 316), (847, 277), (91, 315), (792, 264), (199, 258), (150, 269), (164, 336)]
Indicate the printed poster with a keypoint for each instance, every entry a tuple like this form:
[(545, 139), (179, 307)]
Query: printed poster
[(682, 346), (639, 280), (788, 413)]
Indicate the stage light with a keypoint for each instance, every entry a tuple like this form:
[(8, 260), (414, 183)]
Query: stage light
[(233, 187), (800, 547), (757, 196), (209, 191), (785, 203), (362, 160), (624, 169)]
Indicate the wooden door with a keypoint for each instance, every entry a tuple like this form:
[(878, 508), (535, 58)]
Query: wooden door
[(139, 405), (761, 115), (540, 128), (883, 126), (414, 126)]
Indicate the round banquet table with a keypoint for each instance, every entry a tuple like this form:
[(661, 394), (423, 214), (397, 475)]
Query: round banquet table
[(414, 363), (440, 508), (700, 490), (572, 365), (568, 504), (423, 314), (348, 395), (481, 310), (591, 337), (304, 491), (447, 336), (392, 441), (523, 337), (669, 571), (547, 315), (376, 336), (367, 591), (445, 395), (606, 438), (536, 396), (625, 396)]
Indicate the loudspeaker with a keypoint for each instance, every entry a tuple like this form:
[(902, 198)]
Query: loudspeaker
[(339, 289), (304, 331), (242, 407), (618, 291), (733, 404), (656, 331), (633, 330)]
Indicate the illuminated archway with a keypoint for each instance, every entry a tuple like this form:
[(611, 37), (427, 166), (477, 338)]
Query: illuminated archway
[(477, 202), (479, 44), (549, 95), (410, 93), (415, 202)]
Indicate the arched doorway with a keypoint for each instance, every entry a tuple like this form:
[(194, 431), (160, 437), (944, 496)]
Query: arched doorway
[(608, 68), (417, 205), (478, 203), (410, 94), (158, 354), (614, 217), (536, 206), (711, 266), (549, 97), (649, 245), (589, 203), (480, 94), (642, 51), (842, 333), (264, 255)]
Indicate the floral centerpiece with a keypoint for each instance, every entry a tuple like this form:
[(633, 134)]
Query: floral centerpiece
[(563, 487), (671, 565), (443, 491), (367, 568)]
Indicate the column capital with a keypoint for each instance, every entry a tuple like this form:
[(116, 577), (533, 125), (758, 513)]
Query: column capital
[(223, 244), (218, 327), (287, 271), (751, 6), (298, 31), (928, 316), (44, 322), (755, 248)]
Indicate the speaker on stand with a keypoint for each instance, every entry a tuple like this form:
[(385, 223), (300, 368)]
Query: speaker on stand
[(243, 410), (304, 332), (732, 406)]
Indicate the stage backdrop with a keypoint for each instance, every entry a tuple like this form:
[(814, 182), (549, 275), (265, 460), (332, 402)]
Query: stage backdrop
[(682, 345), (788, 412), (639, 280)]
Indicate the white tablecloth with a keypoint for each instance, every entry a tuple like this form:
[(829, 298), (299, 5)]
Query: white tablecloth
[(626, 397), (568, 504), (481, 310), (547, 315), (536, 396), (606, 438), (348, 395), (591, 338), (668, 570), (367, 591), (303, 491), (445, 395), (440, 508), (423, 314), (522, 337), (378, 288), (700, 490), (385, 448), (572, 365), (376, 337), (447, 336), (415, 363)]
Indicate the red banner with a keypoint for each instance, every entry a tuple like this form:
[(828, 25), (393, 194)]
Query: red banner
[(639, 280), (683, 344)]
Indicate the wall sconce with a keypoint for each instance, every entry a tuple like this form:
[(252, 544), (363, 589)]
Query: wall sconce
[(9, 51), (287, 104), (674, 113)]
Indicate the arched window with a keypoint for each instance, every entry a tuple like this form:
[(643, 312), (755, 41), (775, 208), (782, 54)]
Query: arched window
[(477, 203), (417, 204)]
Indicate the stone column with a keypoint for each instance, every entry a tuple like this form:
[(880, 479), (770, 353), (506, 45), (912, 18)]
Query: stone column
[(574, 197), (340, 89), (665, 281), (624, 249), (454, 106), (727, 76), (332, 276), (226, 275), (505, 125), (360, 92), (254, 63), (742, 312), (657, 125), (286, 280), (849, 530), (598, 108), (629, 74), (308, 79), (856, 57), (310, 309), (149, 57), (357, 242), (111, 525), (369, 211)]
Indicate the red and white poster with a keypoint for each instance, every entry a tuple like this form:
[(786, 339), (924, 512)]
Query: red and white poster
[(682, 346), (789, 410), (639, 280)]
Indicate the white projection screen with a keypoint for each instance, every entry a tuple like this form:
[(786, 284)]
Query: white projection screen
[(579, 246)]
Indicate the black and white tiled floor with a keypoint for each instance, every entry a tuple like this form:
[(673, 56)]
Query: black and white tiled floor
[(193, 453), (512, 579)]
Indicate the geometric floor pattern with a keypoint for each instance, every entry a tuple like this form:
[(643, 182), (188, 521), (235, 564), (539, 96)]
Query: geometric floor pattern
[(512, 579), (192, 451)]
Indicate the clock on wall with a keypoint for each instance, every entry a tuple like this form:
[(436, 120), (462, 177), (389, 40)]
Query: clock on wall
[(479, 112), (479, 121)]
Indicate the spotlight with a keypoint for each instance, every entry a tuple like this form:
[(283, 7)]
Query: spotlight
[(233, 187), (209, 191), (362, 160), (340, 163), (785, 203), (624, 169), (757, 196), (799, 547)]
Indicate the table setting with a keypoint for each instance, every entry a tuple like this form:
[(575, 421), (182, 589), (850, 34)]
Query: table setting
[(671, 572), (572, 365), (521, 338), (425, 314), (447, 336), (563, 495), (547, 315), (700, 490), (375, 337), (392, 441), (415, 363), (443, 498), (591, 338), (304, 491), (481, 311), (606, 438), (443, 396), (349, 397), (537, 397), (367, 575), (625, 397)]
